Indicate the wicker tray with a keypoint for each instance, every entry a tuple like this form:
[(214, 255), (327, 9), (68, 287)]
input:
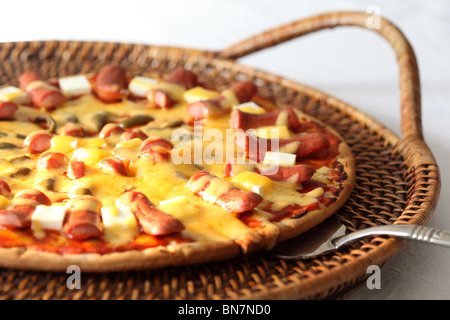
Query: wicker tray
[(397, 178)]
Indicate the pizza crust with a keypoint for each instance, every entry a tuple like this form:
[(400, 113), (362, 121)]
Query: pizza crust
[(290, 228), (151, 258), (253, 240)]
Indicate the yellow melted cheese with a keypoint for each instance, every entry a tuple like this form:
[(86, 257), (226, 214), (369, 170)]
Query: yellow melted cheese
[(282, 196), (159, 181)]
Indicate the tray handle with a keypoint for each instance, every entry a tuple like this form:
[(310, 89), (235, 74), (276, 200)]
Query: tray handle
[(411, 122)]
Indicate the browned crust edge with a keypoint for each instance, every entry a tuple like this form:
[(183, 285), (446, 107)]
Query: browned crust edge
[(151, 258), (290, 228)]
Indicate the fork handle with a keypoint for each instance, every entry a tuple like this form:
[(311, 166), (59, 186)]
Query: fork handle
[(409, 232)]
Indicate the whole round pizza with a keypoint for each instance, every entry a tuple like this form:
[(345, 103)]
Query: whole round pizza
[(113, 171)]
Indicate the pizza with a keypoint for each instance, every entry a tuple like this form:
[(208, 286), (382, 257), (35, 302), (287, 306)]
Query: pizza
[(115, 171)]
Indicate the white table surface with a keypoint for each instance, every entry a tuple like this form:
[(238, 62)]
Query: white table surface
[(354, 65)]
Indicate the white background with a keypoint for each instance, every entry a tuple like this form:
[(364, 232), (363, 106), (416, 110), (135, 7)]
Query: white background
[(354, 65)]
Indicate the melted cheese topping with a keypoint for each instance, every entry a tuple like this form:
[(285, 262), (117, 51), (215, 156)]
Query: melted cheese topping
[(39, 83), (282, 119), (283, 196), (322, 173), (13, 94), (212, 188), (164, 183), (198, 94)]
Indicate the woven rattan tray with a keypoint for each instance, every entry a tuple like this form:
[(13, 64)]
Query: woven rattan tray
[(397, 179)]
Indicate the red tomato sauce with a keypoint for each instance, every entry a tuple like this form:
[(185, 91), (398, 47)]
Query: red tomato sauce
[(55, 242)]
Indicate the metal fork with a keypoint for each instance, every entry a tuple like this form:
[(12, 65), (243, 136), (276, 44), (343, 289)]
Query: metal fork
[(330, 236)]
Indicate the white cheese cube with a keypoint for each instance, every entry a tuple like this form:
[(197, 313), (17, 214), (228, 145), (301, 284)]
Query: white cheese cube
[(48, 217), (14, 94), (140, 85), (253, 182), (250, 107), (120, 224), (279, 158), (114, 217), (74, 85)]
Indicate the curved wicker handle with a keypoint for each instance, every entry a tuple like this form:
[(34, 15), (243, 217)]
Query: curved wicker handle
[(409, 74)]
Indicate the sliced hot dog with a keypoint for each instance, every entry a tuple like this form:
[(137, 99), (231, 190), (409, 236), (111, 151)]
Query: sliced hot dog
[(156, 154), (206, 109), (223, 193), (7, 109), (152, 220), (4, 188), (52, 161), (83, 224), (305, 145), (28, 77), (34, 195), (18, 213), (160, 98), (45, 97), (37, 141), (156, 142), (17, 217), (242, 91), (111, 83), (133, 134), (294, 174), (245, 120), (110, 129), (114, 165), (156, 149), (73, 130), (183, 77), (238, 201), (83, 219), (76, 169), (308, 144), (42, 93)]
